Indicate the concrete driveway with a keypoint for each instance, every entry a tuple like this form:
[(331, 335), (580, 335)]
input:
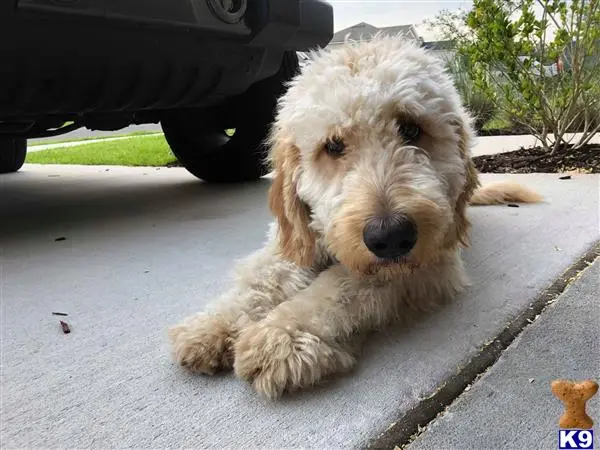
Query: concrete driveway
[(128, 252)]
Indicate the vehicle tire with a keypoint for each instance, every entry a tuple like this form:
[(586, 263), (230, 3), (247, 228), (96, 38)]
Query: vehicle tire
[(12, 154), (200, 143)]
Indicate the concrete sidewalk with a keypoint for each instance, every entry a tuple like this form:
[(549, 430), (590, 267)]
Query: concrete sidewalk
[(144, 247), (511, 406), (491, 145)]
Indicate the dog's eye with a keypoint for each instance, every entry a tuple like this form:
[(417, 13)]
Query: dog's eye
[(335, 146), (410, 131)]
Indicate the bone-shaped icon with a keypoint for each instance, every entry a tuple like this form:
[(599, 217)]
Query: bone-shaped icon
[(574, 397)]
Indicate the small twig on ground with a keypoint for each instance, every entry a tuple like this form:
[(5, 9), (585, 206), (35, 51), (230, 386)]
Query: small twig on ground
[(65, 327), (59, 314)]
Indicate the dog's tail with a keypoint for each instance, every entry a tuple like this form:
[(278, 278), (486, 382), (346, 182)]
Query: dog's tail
[(503, 192)]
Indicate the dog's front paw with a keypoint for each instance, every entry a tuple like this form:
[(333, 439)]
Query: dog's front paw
[(203, 343), (277, 360)]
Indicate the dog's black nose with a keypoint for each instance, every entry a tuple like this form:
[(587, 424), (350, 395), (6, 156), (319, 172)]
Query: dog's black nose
[(390, 237)]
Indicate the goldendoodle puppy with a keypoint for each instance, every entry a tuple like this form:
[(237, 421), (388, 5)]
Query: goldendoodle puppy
[(372, 178)]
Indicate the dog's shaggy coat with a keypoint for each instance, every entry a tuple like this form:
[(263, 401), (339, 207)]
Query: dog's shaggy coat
[(367, 130)]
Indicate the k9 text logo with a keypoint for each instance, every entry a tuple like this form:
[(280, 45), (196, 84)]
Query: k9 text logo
[(575, 439)]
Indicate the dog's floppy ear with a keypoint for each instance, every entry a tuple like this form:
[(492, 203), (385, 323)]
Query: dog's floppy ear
[(459, 233), (296, 240)]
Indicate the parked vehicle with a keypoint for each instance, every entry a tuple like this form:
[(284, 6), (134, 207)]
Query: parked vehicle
[(538, 69), (199, 67)]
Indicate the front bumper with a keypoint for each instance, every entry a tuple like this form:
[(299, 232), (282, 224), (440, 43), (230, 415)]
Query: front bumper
[(68, 58)]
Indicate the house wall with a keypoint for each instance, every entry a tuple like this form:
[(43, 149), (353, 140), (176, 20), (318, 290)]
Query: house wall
[(444, 55)]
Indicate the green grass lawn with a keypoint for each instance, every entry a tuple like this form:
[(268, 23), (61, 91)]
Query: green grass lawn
[(137, 151)]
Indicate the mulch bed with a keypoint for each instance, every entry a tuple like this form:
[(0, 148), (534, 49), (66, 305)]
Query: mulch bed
[(538, 160)]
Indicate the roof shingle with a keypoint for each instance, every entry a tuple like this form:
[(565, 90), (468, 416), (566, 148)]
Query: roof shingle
[(366, 31)]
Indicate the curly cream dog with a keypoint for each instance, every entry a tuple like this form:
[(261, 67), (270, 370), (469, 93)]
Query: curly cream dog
[(373, 176)]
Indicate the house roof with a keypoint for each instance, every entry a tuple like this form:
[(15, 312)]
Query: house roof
[(366, 31), (404, 29)]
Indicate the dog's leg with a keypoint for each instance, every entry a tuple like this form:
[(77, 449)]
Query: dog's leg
[(313, 335), (203, 342)]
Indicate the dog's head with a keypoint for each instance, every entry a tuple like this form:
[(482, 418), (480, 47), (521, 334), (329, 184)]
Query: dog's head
[(370, 148)]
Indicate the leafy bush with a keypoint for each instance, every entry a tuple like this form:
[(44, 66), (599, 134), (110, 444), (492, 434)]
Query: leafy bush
[(583, 117), (506, 45), (477, 103)]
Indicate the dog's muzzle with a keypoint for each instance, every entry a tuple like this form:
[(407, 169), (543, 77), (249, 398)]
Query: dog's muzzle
[(390, 237)]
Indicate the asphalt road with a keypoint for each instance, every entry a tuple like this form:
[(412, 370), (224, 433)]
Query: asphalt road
[(128, 252), (83, 133)]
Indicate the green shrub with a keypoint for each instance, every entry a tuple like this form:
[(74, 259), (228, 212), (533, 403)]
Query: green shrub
[(504, 44), (585, 116), (475, 101)]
